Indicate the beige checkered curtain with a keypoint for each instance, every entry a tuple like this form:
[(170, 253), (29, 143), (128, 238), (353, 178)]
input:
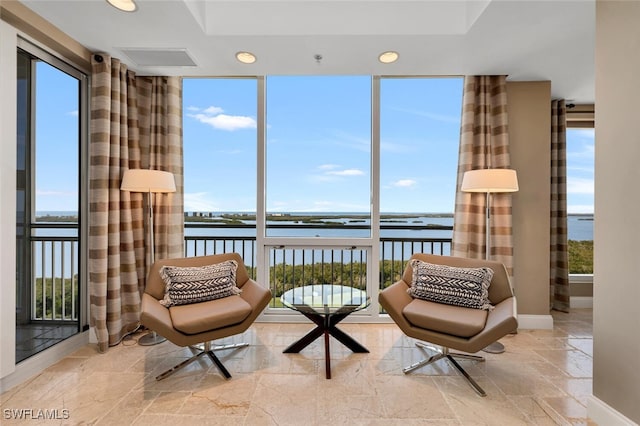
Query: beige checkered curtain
[(160, 112), (484, 143), (559, 272), (128, 131)]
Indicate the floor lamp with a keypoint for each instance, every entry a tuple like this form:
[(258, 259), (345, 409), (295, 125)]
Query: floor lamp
[(151, 182), (490, 181)]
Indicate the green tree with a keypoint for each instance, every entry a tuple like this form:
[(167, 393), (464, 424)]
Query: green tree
[(580, 257)]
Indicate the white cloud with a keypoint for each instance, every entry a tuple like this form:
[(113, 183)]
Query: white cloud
[(73, 113), (333, 173), (313, 206), (394, 147), (588, 151), (198, 202), (328, 166), (352, 141), (580, 169), (431, 116), (404, 183), (580, 186), (213, 110), (322, 205), (213, 116), (579, 208), (585, 133), (346, 172)]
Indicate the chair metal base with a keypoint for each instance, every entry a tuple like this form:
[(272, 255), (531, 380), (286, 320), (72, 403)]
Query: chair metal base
[(206, 349), (494, 348), (444, 353), (151, 339)]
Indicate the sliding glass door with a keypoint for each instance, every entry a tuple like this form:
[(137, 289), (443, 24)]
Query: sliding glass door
[(50, 130)]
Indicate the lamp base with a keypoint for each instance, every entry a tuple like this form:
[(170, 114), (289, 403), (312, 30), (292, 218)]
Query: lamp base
[(151, 339), (494, 348)]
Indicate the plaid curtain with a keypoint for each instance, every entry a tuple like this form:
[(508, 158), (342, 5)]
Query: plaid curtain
[(559, 267), (160, 112), (484, 143), (123, 136)]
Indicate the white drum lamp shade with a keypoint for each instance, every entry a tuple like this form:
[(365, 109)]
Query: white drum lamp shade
[(490, 180), (142, 180)]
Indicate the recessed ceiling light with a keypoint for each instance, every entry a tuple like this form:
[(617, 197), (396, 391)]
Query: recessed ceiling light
[(246, 57), (124, 5), (388, 57)]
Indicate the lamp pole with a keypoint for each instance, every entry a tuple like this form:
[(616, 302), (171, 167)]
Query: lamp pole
[(489, 181), (487, 246), (149, 181)]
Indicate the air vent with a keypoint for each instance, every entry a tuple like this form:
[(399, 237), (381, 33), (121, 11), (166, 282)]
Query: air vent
[(160, 57)]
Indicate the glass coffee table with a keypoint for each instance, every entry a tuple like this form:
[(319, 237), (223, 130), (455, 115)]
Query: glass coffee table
[(326, 305)]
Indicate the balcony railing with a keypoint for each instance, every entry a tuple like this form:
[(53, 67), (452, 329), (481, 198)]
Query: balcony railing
[(54, 290), (54, 273), (291, 267)]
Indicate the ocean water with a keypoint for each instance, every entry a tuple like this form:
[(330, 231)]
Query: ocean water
[(580, 227)]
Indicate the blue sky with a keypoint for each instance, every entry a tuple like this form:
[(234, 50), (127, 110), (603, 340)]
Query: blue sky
[(580, 169), (56, 140), (318, 150), (318, 145)]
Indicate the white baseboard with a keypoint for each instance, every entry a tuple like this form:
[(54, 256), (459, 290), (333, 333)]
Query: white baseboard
[(535, 322), (581, 302), (603, 414), (37, 363)]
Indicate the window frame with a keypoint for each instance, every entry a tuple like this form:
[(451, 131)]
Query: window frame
[(580, 116), (36, 53)]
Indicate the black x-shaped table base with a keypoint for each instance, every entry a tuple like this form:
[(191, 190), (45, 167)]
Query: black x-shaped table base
[(326, 325)]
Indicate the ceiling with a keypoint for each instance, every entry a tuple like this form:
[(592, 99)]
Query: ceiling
[(525, 39)]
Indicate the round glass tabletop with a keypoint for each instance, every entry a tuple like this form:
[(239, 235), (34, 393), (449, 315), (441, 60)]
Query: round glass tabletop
[(321, 297)]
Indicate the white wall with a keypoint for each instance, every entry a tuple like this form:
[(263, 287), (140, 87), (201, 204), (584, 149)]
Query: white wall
[(616, 312), (8, 66), (10, 373), (8, 37)]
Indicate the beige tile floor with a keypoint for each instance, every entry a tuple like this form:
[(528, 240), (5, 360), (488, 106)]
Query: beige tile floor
[(543, 378)]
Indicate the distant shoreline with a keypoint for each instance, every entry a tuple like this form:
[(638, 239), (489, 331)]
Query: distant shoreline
[(302, 217)]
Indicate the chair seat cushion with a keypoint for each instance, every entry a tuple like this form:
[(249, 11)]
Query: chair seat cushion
[(449, 319), (206, 316)]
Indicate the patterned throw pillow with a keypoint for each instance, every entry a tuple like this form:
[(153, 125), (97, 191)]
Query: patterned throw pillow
[(467, 287), (195, 284)]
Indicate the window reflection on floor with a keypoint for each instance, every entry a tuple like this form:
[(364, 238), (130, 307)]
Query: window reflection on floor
[(34, 338)]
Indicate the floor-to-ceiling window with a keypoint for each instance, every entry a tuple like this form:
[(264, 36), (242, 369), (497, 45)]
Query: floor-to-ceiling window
[(419, 140), (321, 179), (318, 173), (50, 128), (220, 157), (318, 152), (580, 199)]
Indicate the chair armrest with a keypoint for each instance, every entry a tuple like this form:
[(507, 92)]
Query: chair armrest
[(255, 295), (154, 316), (503, 312), (393, 299), (501, 321)]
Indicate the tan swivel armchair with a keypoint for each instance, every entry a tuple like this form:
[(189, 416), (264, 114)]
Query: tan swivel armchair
[(452, 327), (205, 321)]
